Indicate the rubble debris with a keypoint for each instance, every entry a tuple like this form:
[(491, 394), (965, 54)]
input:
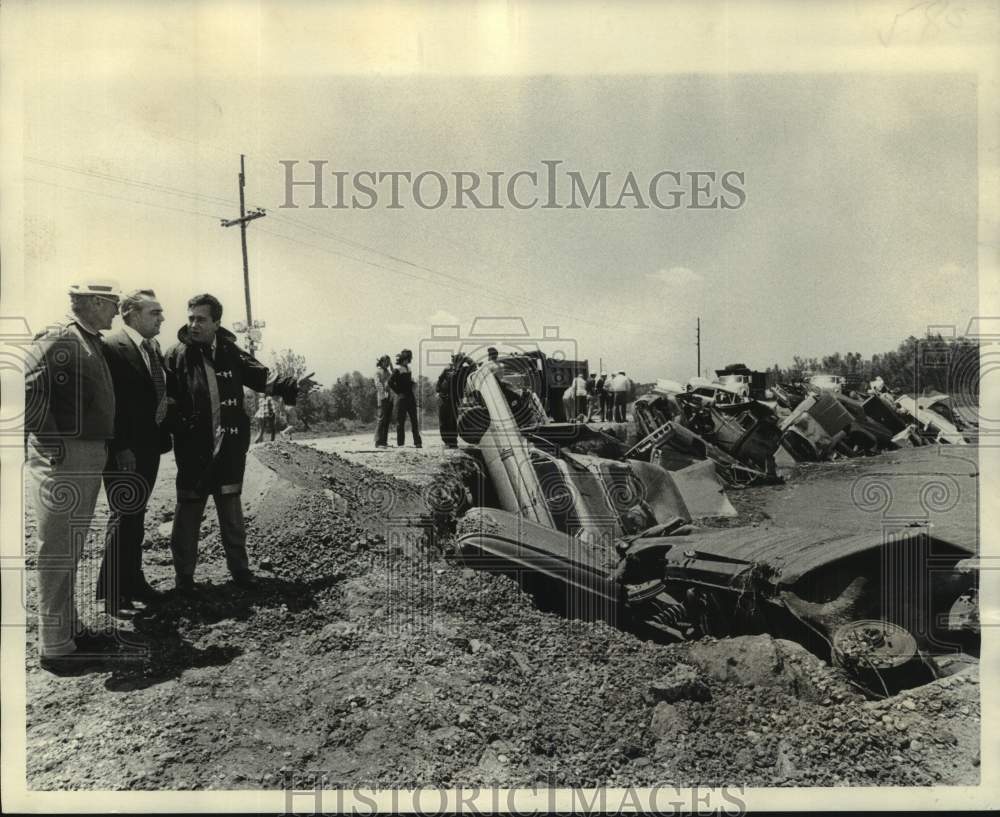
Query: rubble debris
[(764, 661), (677, 428), (667, 720), (934, 417), (815, 428), (680, 684), (612, 534)]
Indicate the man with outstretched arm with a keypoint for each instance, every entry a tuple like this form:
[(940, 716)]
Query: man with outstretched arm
[(206, 375)]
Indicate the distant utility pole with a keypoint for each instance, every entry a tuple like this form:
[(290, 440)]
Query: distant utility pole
[(697, 343), (252, 327)]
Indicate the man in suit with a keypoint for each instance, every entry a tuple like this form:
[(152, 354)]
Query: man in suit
[(141, 435)]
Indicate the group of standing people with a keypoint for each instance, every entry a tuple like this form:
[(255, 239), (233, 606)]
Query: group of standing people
[(394, 395), (605, 398), (102, 410)]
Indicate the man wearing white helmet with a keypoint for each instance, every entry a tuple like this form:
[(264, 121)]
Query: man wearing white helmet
[(70, 421)]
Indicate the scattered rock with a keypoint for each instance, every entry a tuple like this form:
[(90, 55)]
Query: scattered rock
[(666, 720), (761, 660), (681, 683)]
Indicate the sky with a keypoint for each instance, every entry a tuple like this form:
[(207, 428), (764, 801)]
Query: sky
[(858, 229)]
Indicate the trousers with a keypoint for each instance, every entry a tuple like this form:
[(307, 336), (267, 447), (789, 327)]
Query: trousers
[(266, 425), (64, 496), (128, 494), (232, 530), (447, 423), (406, 406), (620, 406), (384, 418)]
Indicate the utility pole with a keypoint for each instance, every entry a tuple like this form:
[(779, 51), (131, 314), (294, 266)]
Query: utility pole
[(697, 343), (252, 327)]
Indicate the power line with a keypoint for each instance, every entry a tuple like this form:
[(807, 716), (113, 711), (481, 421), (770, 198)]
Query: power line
[(152, 186), (122, 198)]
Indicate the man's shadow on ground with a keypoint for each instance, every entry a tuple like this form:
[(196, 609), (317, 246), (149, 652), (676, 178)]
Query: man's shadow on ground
[(161, 653)]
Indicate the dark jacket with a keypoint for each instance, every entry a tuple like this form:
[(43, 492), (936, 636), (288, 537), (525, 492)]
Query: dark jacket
[(135, 397), (67, 385), (200, 469), (401, 381)]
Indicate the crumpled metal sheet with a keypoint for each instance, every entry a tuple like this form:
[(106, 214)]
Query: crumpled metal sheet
[(793, 552), (702, 491)]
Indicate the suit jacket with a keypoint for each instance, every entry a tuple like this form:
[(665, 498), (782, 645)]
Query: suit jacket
[(135, 398)]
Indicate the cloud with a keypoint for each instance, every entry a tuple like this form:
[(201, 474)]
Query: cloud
[(442, 317), (676, 276), (406, 329), (422, 329)]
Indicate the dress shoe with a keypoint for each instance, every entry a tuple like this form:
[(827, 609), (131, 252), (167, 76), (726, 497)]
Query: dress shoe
[(74, 664), (147, 595), (185, 585), (89, 642), (120, 608), (246, 580)]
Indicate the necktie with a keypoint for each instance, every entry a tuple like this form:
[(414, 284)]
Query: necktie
[(159, 381)]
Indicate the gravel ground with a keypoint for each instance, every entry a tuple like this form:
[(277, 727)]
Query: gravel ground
[(367, 654)]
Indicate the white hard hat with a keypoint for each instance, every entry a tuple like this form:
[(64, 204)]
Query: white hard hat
[(107, 287)]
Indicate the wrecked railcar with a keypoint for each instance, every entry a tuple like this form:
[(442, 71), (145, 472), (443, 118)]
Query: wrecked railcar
[(615, 536), (934, 417), (677, 428), (829, 423)]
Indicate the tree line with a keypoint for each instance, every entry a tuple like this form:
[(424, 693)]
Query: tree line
[(944, 364), (934, 362), (350, 399)]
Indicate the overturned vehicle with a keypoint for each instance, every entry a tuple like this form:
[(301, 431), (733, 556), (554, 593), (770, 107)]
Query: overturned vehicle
[(609, 538), (675, 427)]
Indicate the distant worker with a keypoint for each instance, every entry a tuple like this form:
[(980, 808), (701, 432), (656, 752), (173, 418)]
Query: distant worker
[(70, 419), (602, 395), (592, 398), (621, 388), (291, 416), (401, 384), (383, 400), (568, 403), (579, 387), (492, 362), (265, 419), (447, 399)]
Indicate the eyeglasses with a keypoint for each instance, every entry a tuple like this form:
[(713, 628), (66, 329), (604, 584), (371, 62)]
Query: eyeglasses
[(114, 301)]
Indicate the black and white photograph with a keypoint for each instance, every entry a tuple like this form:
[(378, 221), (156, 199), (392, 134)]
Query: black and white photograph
[(502, 406)]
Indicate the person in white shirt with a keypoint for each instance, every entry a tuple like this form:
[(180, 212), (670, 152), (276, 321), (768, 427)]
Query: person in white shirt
[(620, 390)]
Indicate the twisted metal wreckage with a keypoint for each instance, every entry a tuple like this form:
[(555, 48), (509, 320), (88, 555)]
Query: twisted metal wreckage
[(569, 504)]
